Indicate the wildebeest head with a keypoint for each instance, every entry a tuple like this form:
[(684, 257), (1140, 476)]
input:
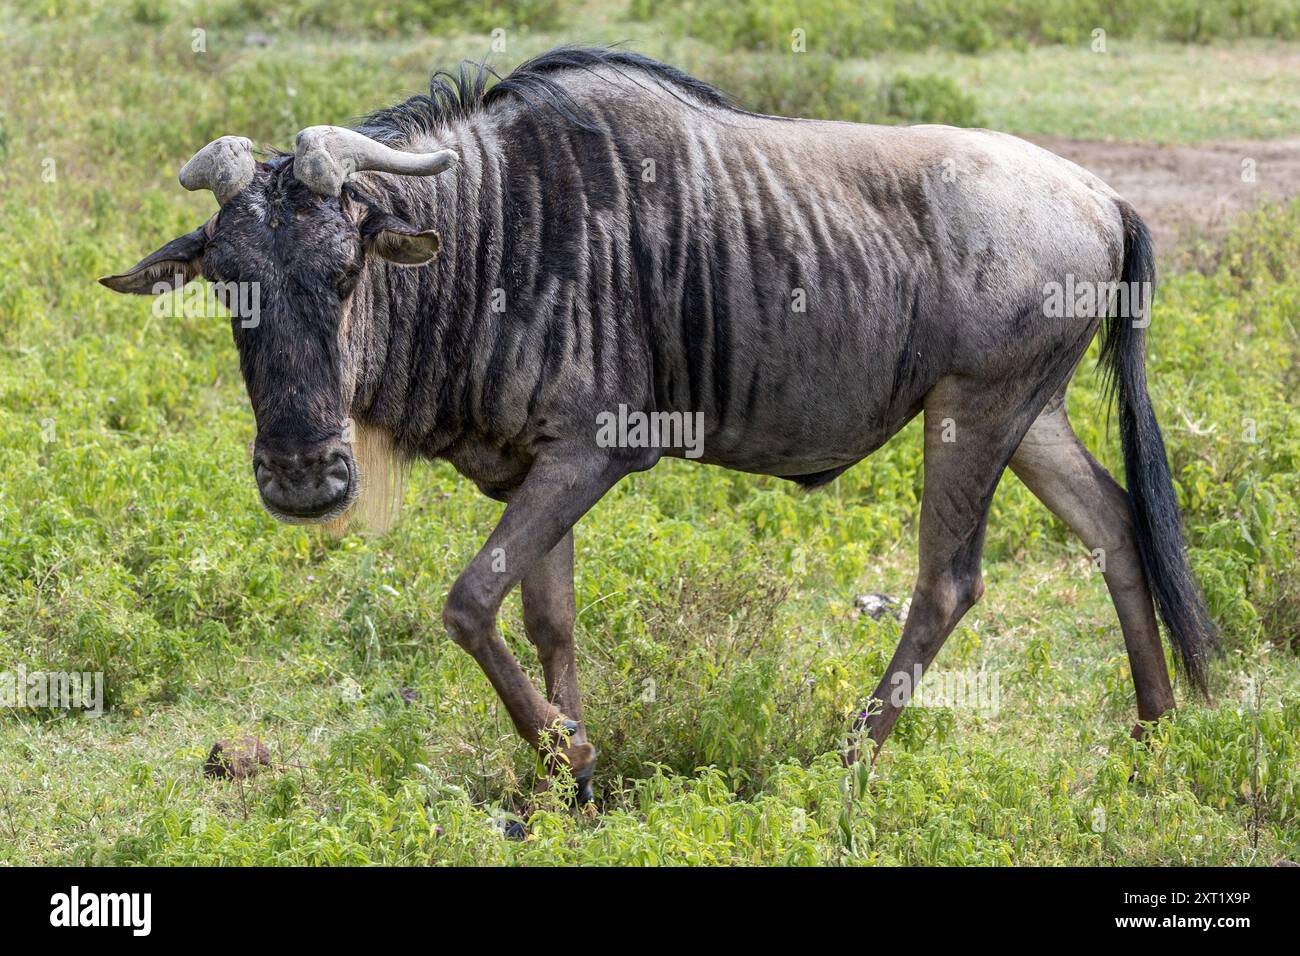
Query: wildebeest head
[(284, 253)]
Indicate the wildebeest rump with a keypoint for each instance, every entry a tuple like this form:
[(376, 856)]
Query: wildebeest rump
[(614, 235)]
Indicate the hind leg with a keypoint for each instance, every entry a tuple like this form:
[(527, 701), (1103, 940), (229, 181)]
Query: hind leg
[(1055, 466), (970, 433)]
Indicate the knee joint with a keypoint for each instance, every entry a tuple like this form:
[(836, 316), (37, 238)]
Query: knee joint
[(954, 594), (467, 615)]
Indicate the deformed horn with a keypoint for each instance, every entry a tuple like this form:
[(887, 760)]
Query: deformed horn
[(325, 156), (225, 166)]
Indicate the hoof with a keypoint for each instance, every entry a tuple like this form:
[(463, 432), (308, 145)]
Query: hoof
[(581, 759), (514, 830), (582, 778)]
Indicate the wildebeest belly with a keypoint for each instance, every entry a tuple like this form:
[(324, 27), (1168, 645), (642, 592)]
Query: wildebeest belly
[(821, 400)]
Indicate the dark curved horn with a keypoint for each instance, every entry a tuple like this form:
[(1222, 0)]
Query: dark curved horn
[(224, 166), (325, 156)]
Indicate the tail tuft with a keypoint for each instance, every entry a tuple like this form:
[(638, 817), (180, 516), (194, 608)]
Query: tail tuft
[(1150, 486)]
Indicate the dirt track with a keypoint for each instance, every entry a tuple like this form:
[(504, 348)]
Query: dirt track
[(1187, 193)]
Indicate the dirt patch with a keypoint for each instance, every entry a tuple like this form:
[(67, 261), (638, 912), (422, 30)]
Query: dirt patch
[(1189, 193)]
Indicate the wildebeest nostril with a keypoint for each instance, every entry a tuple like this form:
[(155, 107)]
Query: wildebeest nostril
[(338, 475)]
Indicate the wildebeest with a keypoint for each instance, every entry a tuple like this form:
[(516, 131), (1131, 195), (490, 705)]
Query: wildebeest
[(482, 274)]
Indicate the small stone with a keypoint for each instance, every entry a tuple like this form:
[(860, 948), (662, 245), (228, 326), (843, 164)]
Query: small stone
[(237, 759), (876, 605)]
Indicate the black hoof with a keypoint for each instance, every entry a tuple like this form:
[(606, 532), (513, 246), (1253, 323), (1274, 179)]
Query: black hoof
[(584, 796), (582, 778), (514, 830)]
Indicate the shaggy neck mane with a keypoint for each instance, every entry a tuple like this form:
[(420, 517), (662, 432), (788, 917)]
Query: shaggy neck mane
[(535, 82), (416, 329)]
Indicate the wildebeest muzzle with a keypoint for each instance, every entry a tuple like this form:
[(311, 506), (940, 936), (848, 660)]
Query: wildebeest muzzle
[(305, 483)]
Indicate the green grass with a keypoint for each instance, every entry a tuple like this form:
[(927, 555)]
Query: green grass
[(864, 27), (1159, 93), (718, 645)]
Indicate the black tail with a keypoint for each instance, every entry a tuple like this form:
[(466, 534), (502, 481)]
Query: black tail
[(1150, 487)]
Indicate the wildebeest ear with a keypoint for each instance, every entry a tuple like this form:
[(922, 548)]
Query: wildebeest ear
[(169, 268), (398, 241)]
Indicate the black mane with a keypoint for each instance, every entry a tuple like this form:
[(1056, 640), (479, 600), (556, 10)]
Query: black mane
[(456, 96)]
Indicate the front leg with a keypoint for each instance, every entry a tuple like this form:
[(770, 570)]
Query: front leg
[(549, 615), (550, 611), (558, 490)]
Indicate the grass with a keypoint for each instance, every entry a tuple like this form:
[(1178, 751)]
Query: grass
[(1150, 92), (864, 27), (718, 643)]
